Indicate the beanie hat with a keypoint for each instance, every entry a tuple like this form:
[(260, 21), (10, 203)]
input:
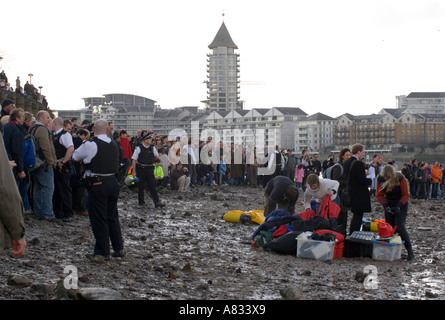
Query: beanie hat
[(7, 102)]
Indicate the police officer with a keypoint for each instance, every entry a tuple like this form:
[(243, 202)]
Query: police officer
[(143, 167), (64, 147), (101, 158)]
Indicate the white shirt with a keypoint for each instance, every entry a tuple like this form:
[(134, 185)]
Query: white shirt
[(371, 172), (191, 153), (326, 185), (88, 150), (137, 151), (272, 157), (65, 139)]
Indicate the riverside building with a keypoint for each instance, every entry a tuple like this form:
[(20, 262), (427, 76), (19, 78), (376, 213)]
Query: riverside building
[(223, 77)]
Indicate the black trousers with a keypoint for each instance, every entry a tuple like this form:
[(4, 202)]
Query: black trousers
[(62, 198), (147, 182), (103, 213), (356, 221), (399, 220)]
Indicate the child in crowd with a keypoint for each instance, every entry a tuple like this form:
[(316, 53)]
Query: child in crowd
[(299, 174), (159, 174)]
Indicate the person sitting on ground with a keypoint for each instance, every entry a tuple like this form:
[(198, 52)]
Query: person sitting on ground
[(205, 173), (179, 178), (159, 174)]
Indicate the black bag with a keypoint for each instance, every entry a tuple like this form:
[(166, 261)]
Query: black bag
[(345, 197), (285, 244)]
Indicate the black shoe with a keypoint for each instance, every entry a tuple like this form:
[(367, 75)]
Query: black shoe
[(159, 204), (119, 254), (142, 203), (69, 219), (97, 258), (56, 220)]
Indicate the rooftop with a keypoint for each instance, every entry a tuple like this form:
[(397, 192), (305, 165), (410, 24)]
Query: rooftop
[(223, 39)]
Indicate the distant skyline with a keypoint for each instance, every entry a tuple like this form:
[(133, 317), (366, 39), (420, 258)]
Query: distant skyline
[(333, 57)]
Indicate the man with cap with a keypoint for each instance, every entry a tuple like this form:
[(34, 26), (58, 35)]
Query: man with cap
[(143, 167), (280, 191), (7, 107), (64, 147)]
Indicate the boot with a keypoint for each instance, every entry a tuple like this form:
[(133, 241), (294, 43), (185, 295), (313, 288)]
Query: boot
[(159, 204), (408, 248)]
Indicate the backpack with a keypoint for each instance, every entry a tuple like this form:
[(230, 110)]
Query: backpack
[(327, 174), (30, 149)]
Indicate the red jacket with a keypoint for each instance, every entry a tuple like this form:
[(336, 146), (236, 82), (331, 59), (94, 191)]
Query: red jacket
[(403, 188), (125, 144)]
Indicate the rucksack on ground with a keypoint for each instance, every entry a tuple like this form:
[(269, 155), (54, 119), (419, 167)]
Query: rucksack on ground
[(30, 158), (327, 174)]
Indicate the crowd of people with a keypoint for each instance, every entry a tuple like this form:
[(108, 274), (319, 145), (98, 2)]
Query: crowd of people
[(83, 173), (28, 90)]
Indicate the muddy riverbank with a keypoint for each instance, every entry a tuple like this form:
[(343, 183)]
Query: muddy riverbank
[(187, 251)]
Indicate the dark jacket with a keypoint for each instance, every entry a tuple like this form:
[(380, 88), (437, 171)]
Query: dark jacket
[(358, 185), (175, 174), (202, 170), (276, 187), (14, 140)]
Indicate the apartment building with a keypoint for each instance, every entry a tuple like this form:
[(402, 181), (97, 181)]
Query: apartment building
[(315, 133), (422, 102), (391, 129), (275, 126)]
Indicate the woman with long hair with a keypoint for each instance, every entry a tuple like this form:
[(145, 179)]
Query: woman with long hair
[(393, 194), (341, 176)]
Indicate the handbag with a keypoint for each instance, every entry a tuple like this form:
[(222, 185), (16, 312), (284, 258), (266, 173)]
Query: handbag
[(346, 197)]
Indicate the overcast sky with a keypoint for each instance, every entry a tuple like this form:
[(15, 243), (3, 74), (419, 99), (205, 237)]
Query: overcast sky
[(324, 56)]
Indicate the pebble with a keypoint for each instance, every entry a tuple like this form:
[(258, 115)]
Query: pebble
[(19, 281), (291, 293)]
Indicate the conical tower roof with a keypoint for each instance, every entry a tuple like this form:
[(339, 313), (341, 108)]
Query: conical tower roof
[(223, 39)]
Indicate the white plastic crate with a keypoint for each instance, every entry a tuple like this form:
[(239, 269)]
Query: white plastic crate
[(315, 249), (382, 250)]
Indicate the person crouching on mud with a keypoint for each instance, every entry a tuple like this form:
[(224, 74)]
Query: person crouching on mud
[(280, 192)]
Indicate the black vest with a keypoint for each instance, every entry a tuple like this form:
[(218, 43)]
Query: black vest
[(106, 160), (146, 156), (60, 149)]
